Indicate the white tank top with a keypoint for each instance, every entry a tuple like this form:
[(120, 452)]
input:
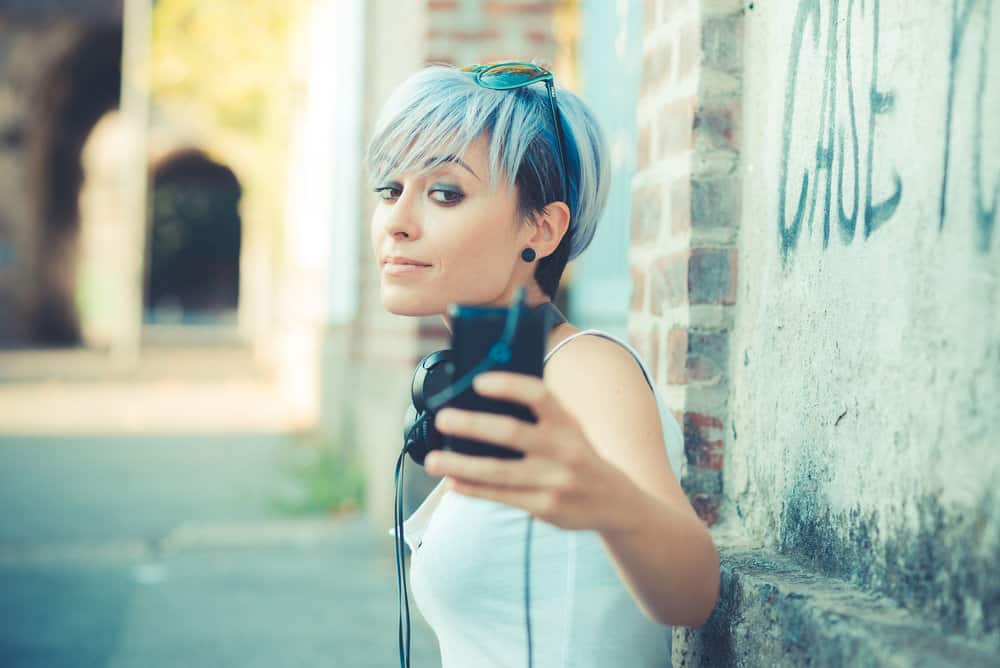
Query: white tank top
[(467, 578)]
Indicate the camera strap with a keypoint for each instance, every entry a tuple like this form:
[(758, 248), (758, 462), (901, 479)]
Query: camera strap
[(552, 315)]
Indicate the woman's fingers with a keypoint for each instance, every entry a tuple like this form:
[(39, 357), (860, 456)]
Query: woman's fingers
[(489, 428), (520, 388), (538, 502), (529, 472)]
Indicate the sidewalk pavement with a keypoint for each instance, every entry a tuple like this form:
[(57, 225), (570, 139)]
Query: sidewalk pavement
[(154, 545)]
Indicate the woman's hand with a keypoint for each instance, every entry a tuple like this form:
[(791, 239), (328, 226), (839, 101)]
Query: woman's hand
[(561, 480)]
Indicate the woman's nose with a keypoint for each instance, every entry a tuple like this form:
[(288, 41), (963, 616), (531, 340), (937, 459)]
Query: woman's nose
[(403, 219)]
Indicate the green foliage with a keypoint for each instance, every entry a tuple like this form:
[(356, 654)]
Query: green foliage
[(232, 74), (231, 58), (323, 478)]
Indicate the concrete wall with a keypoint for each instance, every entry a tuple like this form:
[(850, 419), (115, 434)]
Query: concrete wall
[(816, 276), (865, 359)]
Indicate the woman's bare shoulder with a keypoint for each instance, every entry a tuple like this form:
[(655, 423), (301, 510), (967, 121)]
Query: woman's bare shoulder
[(592, 370), (590, 354), (600, 382)]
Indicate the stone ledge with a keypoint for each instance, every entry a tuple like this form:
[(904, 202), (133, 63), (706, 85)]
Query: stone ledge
[(774, 612)]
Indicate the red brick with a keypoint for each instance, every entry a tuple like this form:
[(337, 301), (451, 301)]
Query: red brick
[(707, 355), (643, 148), (656, 68), (680, 206), (483, 35), (688, 49), (697, 356), (647, 344), (707, 507), (722, 43), (675, 128), (703, 440), (677, 347), (718, 124), (539, 37), (653, 361), (647, 214), (668, 286), (716, 202), (638, 288), (511, 7), (712, 276)]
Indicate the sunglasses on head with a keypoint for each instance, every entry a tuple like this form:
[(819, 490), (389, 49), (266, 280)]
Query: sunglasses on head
[(511, 75)]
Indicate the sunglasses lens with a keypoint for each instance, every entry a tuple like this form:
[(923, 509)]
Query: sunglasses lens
[(506, 76)]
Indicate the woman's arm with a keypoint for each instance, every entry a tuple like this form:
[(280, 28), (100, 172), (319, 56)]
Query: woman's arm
[(662, 550), (595, 459), (667, 560)]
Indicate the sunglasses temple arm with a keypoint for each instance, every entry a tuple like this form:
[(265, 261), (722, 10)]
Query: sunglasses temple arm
[(559, 137)]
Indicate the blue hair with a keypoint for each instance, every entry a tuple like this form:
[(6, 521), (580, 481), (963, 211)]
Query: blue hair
[(439, 110)]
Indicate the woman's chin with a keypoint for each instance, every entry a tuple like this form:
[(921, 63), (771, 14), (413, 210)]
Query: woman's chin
[(398, 305)]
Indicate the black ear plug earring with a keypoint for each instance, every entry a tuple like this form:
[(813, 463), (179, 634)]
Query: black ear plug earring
[(528, 254)]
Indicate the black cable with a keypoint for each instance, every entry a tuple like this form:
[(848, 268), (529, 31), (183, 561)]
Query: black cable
[(402, 597), (500, 352), (527, 584)]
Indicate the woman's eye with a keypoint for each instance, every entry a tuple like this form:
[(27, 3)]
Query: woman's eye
[(446, 196), (439, 195), (387, 192)]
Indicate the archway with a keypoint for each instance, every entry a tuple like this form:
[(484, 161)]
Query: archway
[(193, 268), (78, 91)]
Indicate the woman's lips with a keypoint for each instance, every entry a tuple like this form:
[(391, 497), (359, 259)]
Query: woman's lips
[(394, 269)]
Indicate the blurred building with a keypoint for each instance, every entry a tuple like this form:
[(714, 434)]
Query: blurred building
[(60, 68)]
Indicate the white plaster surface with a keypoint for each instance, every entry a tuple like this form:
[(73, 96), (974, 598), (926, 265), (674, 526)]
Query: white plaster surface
[(866, 375)]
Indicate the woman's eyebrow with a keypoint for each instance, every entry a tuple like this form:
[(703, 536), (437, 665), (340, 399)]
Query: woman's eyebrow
[(452, 158)]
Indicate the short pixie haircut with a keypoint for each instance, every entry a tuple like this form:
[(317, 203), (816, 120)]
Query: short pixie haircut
[(439, 110)]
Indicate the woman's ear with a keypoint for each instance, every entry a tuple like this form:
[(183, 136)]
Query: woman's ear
[(549, 227)]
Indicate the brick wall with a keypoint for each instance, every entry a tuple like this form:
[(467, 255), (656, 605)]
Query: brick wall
[(477, 31), (856, 415), (686, 208)]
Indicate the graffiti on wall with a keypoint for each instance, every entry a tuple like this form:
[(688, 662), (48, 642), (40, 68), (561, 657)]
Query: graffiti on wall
[(964, 54), (836, 132), (827, 176)]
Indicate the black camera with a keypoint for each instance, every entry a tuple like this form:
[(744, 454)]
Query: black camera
[(482, 339)]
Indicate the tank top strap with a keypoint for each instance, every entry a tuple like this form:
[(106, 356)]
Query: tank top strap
[(672, 435), (570, 338), (602, 333)]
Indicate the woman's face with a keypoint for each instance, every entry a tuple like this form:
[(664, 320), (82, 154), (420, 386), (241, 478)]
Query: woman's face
[(469, 238)]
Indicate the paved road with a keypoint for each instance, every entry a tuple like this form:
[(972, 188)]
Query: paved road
[(161, 551)]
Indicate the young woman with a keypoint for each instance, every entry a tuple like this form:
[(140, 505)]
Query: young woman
[(487, 182)]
